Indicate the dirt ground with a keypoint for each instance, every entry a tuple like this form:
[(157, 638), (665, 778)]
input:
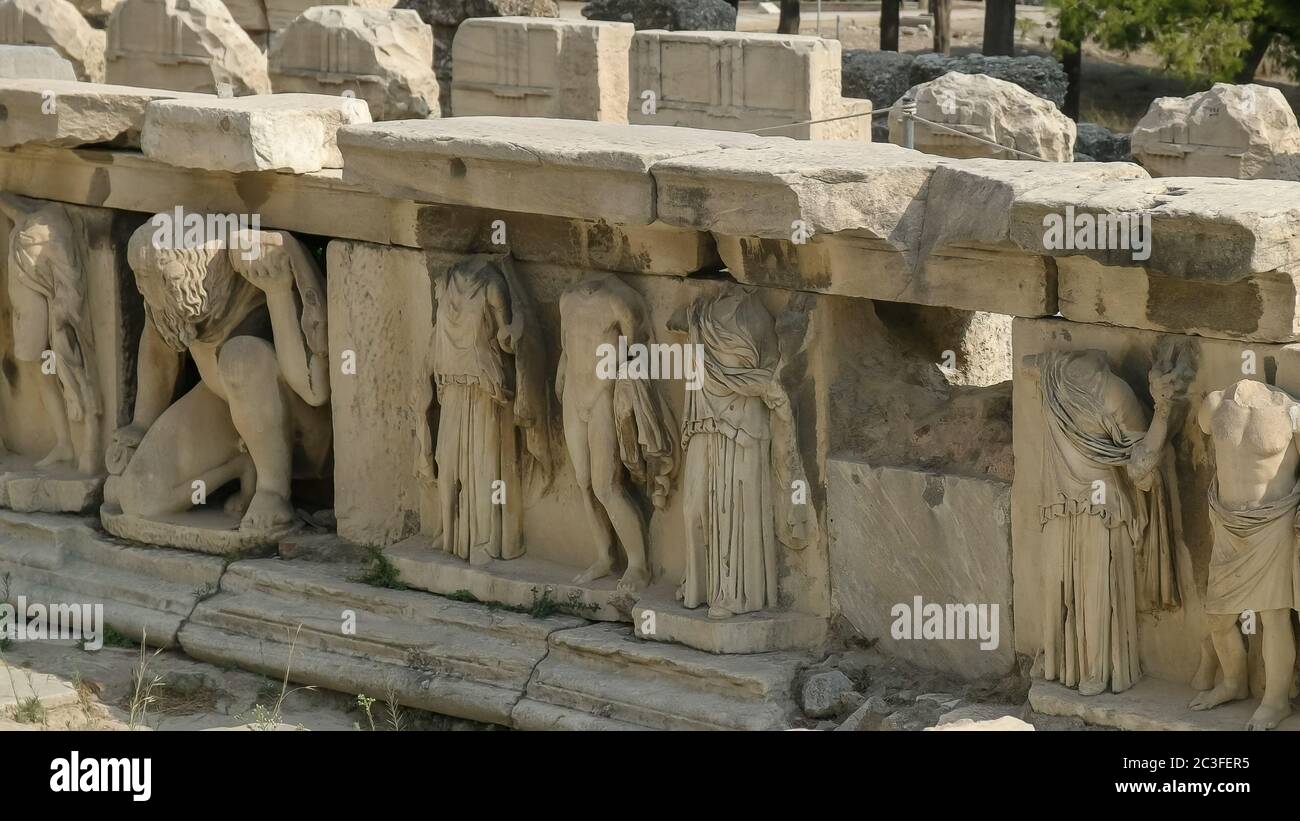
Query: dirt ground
[(58, 686), (1117, 88)]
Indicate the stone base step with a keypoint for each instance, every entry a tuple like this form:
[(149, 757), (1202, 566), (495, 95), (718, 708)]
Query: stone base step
[(146, 592), (456, 658), (601, 677), (658, 616), (1151, 704)]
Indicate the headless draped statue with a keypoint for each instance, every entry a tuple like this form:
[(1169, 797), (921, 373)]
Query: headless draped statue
[(1107, 543)]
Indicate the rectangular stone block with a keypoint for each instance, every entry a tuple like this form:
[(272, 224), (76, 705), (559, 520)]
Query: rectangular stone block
[(267, 132), (734, 81), (35, 62), (898, 535), (70, 113), (566, 168), (380, 311), (541, 67)]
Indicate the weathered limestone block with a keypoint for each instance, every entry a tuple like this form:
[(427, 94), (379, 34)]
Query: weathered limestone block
[(904, 539), (990, 109), (533, 67), (71, 113), (380, 300), (281, 132), (1239, 131), (671, 15), (1236, 237), (575, 243), (55, 23), (599, 677), (186, 45), (63, 262), (741, 82), (446, 16), (34, 62), (454, 658), (147, 593), (567, 168), (382, 56)]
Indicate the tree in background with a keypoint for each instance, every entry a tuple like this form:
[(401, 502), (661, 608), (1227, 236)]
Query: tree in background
[(941, 10), (1000, 27), (890, 12), (1199, 41), (789, 17)]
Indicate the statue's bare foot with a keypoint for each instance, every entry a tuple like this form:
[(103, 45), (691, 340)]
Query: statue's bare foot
[(634, 580), (680, 593), (267, 511), (1221, 694), (1268, 716), (60, 455), (599, 570), (716, 612)]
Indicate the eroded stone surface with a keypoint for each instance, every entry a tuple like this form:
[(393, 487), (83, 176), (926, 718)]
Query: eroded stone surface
[(186, 45), (1239, 131), (70, 113), (382, 56), (994, 111), (280, 132), (55, 23), (34, 62)]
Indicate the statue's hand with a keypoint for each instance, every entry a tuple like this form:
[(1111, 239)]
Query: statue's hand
[(122, 448), (263, 260), (1167, 385)]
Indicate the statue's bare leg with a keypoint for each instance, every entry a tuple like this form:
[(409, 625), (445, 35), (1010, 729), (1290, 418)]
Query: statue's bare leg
[(1208, 668), (193, 440), (448, 483), (260, 414), (607, 484), (31, 331), (57, 412), (1231, 651), (1279, 670), (575, 437), (238, 503)]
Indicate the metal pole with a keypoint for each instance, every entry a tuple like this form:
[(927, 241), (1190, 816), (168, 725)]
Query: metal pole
[(819, 18), (909, 124)]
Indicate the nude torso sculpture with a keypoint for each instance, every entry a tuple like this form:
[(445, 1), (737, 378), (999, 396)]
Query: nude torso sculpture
[(1253, 567)]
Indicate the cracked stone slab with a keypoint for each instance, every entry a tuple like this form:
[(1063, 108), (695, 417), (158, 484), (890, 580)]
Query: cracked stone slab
[(70, 113), (265, 132), (565, 168), (456, 658), (147, 592), (603, 677)]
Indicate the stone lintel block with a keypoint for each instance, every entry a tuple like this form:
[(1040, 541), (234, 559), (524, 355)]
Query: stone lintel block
[(780, 187), (34, 62), (565, 168), (579, 243), (1258, 308), (541, 67), (997, 278), (761, 632), (265, 132), (71, 113), (1202, 228)]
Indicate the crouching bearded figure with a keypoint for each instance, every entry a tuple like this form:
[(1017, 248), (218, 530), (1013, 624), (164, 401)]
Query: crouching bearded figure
[(258, 414)]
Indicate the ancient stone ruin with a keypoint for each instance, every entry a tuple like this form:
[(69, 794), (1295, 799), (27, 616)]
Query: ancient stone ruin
[(594, 424)]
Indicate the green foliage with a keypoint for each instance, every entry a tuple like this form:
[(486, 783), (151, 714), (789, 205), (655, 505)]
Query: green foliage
[(381, 572), (1200, 41)]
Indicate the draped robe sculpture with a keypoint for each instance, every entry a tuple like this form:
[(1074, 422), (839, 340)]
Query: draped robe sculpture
[(742, 459), (488, 364), (1107, 528)]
